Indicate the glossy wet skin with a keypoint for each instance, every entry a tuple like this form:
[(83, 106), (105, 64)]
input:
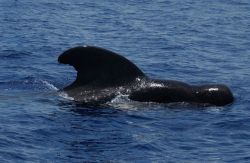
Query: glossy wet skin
[(174, 91), (102, 74)]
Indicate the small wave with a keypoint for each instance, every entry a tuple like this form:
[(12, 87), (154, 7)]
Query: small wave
[(123, 102), (120, 98), (120, 101), (27, 83), (12, 54), (49, 85)]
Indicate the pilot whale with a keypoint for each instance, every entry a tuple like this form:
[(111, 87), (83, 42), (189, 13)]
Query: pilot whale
[(103, 74)]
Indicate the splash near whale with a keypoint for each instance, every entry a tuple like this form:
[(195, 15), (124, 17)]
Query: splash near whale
[(102, 75)]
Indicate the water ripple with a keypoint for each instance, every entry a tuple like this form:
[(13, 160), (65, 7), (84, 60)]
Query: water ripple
[(193, 41)]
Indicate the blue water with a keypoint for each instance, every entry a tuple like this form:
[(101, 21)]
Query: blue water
[(192, 41)]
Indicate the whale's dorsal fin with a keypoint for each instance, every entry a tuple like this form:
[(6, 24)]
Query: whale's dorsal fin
[(99, 67)]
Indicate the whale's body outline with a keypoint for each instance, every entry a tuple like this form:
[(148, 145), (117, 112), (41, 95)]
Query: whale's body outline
[(103, 74)]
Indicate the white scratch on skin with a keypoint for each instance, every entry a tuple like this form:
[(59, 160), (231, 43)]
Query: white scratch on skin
[(213, 89)]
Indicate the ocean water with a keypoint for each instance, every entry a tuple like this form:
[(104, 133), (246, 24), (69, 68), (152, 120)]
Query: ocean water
[(192, 41)]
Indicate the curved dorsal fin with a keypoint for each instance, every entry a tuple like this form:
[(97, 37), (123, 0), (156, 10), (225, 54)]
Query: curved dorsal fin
[(99, 67)]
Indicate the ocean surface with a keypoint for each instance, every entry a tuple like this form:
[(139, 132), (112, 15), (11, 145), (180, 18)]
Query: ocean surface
[(196, 42)]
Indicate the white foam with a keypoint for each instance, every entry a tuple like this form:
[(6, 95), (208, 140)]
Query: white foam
[(51, 86), (66, 96), (120, 98)]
